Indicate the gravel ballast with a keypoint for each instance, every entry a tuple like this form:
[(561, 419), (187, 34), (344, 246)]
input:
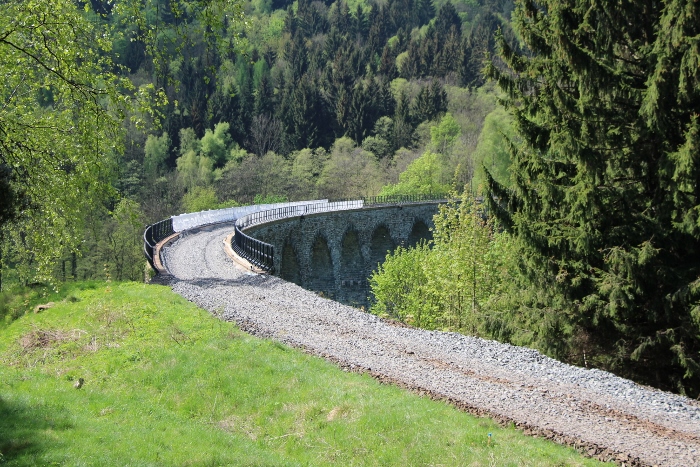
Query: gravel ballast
[(605, 416)]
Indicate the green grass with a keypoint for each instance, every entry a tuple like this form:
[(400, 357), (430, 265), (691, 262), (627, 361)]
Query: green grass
[(168, 384)]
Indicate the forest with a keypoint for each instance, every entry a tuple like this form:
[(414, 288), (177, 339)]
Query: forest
[(569, 133), (234, 103)]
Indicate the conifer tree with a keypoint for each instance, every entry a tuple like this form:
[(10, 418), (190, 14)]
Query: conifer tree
[(411, 66), (360, 23), (426, 11), (387, 64), (605, 196), (403, 128), (446, 20), (297, 55), (429, 51), (377, 29), (340, 17), (402, 13), (468, 73)]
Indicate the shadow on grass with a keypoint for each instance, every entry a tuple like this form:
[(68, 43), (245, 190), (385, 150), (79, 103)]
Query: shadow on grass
[(26, 432)]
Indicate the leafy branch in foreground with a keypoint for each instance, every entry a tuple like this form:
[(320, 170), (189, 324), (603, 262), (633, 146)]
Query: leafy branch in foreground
[(63, 101), (60, 115)]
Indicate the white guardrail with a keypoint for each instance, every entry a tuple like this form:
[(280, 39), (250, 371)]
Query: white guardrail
[(198, 219), (284, 212)]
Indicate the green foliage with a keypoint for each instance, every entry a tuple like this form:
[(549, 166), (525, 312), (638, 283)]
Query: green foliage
[(201, 159), (228, 203), (492, 152), (444, 134), (180, 387), (457, 282), (381, 144), (216, 144), (402, 291), (350, 172), (378, 146), (189, 141), (422, 176), (269, 199), (156, 153), (307, 166), (76, 128), (195, 170), (605, 183), (58, 134), (121, 245), (200, 198), (253, 176), (167, 29), (430, 103)]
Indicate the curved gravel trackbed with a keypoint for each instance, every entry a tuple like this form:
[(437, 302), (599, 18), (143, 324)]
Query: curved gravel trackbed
[(605, 416)]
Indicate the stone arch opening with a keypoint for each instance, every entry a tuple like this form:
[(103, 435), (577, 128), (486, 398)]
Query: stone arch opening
[(289, 268), (420, 231), (351, 260), (380, 244), (353, 278), (321, 276)]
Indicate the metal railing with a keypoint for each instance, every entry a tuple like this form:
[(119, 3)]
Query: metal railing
[(404, 199), (270, 215), (262, 254), (153, 234), (258, 253), (285, 212), (217, 216)]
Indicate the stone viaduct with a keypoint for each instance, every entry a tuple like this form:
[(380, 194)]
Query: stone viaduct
[(335, 252)]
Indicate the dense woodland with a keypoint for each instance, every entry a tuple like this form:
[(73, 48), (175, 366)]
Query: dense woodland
[(577, 124), (233, 103)]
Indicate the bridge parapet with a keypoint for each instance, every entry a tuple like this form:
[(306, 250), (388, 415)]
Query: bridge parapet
[(261, 254), (216, 216), (159, 231)]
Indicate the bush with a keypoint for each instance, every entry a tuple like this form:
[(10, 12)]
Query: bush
[(456, 282)]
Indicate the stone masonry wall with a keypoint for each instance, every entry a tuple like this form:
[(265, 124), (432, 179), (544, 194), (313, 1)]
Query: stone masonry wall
[(334, 253)]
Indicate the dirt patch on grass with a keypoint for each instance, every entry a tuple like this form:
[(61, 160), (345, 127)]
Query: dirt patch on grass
[(45, 339), (242, 425), (42, 346)]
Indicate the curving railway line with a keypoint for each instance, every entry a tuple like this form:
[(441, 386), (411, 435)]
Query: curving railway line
[(605, 416)]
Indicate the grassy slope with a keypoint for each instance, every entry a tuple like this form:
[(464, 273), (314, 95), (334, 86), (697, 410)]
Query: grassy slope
[(168, 384)]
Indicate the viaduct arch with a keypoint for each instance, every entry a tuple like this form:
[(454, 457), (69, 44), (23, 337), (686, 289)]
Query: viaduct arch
[(334, 253)]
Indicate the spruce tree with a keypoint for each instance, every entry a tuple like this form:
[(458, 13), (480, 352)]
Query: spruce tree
[(360, 24), (446, 20), (387, 64), (605, 197), (426, 11)]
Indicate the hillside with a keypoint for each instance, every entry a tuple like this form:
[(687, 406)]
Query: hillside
[(166, 383)]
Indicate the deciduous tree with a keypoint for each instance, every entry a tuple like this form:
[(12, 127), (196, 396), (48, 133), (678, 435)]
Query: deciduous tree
[(56, 130)]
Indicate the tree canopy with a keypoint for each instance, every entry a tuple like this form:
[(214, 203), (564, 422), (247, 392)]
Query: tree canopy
[(56, 125), (65, 101), (604, 198)]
